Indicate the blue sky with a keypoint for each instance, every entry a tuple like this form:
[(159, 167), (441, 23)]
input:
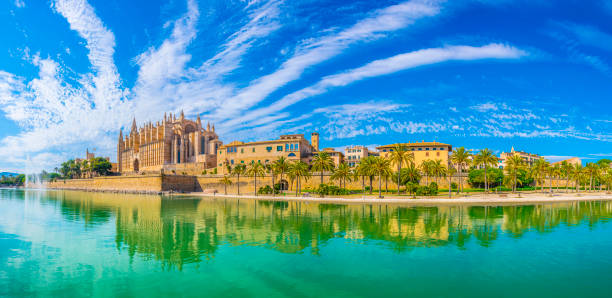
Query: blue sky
[(535, 75)]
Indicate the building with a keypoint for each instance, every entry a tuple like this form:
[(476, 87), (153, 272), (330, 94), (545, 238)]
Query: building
[(173, 145), (91, 155), (293, 147), (529, 158), (422, 151), (336, 156), (572, 161), (354, 154)]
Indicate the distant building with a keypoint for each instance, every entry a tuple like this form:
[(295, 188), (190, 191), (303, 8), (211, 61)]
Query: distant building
[(354, 154), (573, 161), (293, 147), (175, 144), (529, 158), (422, 151), (336, 156)]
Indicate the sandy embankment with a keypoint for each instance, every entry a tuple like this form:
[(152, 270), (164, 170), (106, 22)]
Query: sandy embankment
[(480, 199)]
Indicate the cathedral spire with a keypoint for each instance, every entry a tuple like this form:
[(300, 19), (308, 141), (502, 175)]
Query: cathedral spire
[(134, 128), (208, 126), (182, 115)]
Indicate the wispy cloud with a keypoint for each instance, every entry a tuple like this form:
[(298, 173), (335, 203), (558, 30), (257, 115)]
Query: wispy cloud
[(384, 67), (20, 3), (313, 52)]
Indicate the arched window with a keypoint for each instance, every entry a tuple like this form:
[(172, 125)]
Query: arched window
[(291, 154)]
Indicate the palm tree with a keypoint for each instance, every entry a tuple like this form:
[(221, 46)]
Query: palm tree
[(322, 162), (461, 157), (485, 158), (399, 156), (450, 172), (360, 171), (513, 165), (556, 171), (238, 170), (225, 181), (566, 171), (591, 169), (342, 173), (380, 166), (270, 168), (577, 174), (367, 168), (426, 167), (281, 166), (438, 169), (256, 169), (538, 171), (299, 170)]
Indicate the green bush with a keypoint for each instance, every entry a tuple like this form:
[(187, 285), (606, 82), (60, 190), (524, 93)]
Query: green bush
[(433, 188), (495, 177), (411, 187), (325, 189), (265, 190), (454, 185)]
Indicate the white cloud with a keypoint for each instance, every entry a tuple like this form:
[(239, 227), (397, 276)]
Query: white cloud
[(384, 67), (164, 79), (20, 3), (313, 52), (55, 113)]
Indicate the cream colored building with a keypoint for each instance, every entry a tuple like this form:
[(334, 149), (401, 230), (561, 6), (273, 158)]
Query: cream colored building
[(336, 156), (293, 147), (573, 161), (354, 154), (529, 158), (422, 151)]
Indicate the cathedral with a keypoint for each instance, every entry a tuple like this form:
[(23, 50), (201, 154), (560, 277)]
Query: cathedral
[(175, 145)]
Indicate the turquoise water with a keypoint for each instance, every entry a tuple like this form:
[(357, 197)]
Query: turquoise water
[(90, 244)]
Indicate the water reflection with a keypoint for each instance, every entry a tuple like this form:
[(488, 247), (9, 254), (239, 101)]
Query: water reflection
[(182, 231)]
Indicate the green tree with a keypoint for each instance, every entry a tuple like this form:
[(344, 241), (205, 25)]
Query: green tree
[(322, 162), (366, 167), (461, 157), (513, 165), (380, 166), (438, 169), (399, 157), (538, 170), (253, 170), (100, 165), (341, 174), (281, 166), (591, 169), (299, 170), (485, 158), (426, 167), (225, 181), (237, 171), (566, 172)]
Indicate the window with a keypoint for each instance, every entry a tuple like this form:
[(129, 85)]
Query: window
[(427, 148), (441, 148), (426, 153), (291, 147), (241, 150), (279, 148), (232, 161), (420, 149), (296, 147), (220, 164), (435, 148), (286, 147), (253, 149), (437, 153), (291, 154), (269, 148), (242, 161)]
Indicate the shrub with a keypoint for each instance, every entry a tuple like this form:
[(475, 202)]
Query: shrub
[(411, 187), (204, 172), (495, 177), (454, 185), (265, 190), (325, 189), (215, 171), (367, 188), (433, 188)]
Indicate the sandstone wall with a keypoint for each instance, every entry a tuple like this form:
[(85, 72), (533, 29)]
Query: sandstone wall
[(141, 183)]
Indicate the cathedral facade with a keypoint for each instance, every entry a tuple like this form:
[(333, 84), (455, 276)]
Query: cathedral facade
[(174, 145)]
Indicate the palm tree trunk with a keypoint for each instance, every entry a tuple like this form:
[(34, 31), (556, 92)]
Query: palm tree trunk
[(321, 176), (399, 171), (238, 183), (379, 186), (255, 185), (273, 189), (485, 172), (297, 180), (371, 178)]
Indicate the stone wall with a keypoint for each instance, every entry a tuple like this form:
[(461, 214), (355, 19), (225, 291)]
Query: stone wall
[(143, 183)]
